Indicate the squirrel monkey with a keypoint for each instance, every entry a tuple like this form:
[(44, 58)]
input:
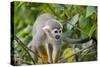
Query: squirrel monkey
[(46, 39)]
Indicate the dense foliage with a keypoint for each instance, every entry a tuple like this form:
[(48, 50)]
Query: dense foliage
[(79, 21)]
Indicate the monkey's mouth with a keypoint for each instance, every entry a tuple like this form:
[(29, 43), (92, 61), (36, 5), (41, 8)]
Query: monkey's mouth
[(57, 37)]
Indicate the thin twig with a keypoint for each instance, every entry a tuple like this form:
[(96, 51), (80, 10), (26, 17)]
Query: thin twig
[(23, 61), (64, 60), (24, 47), (29, 48)]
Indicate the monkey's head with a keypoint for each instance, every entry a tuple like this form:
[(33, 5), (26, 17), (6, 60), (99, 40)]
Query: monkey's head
[(53, 29), (56, 33)]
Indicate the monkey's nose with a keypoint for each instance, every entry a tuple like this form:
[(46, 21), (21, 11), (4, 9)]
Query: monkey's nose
[(57, 36)]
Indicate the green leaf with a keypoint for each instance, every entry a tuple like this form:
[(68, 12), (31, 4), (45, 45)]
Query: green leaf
[(72, 22), (93, 28), (86, 30), (67, 53), (89, 30), (28, 29), (90, 10), (82, 22)]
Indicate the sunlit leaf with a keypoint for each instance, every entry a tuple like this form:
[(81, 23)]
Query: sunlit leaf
[(82, 21), (72, 22), (90, 10), (93, 28), (68, 52)]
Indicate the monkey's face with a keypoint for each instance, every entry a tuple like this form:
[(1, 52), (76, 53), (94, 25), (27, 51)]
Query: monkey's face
[(56, 33)]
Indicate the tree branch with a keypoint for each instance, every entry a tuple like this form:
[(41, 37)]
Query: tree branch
[(26, 48), (65, 59)]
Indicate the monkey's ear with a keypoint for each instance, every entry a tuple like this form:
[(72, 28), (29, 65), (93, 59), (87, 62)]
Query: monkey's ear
[(46, 28)]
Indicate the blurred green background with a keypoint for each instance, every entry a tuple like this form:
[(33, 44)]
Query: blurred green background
[(84, 24)]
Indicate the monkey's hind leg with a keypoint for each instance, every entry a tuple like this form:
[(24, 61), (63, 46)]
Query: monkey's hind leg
[(49, 52), (43, 54)]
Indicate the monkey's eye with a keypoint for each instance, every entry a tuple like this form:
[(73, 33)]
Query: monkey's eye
[(56, 31), (60, 31)]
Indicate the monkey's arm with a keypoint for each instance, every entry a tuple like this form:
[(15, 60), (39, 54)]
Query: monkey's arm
[(77, 41), (56, 53)]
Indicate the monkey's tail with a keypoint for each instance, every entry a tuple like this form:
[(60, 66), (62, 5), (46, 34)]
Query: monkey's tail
[(78, 41)]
